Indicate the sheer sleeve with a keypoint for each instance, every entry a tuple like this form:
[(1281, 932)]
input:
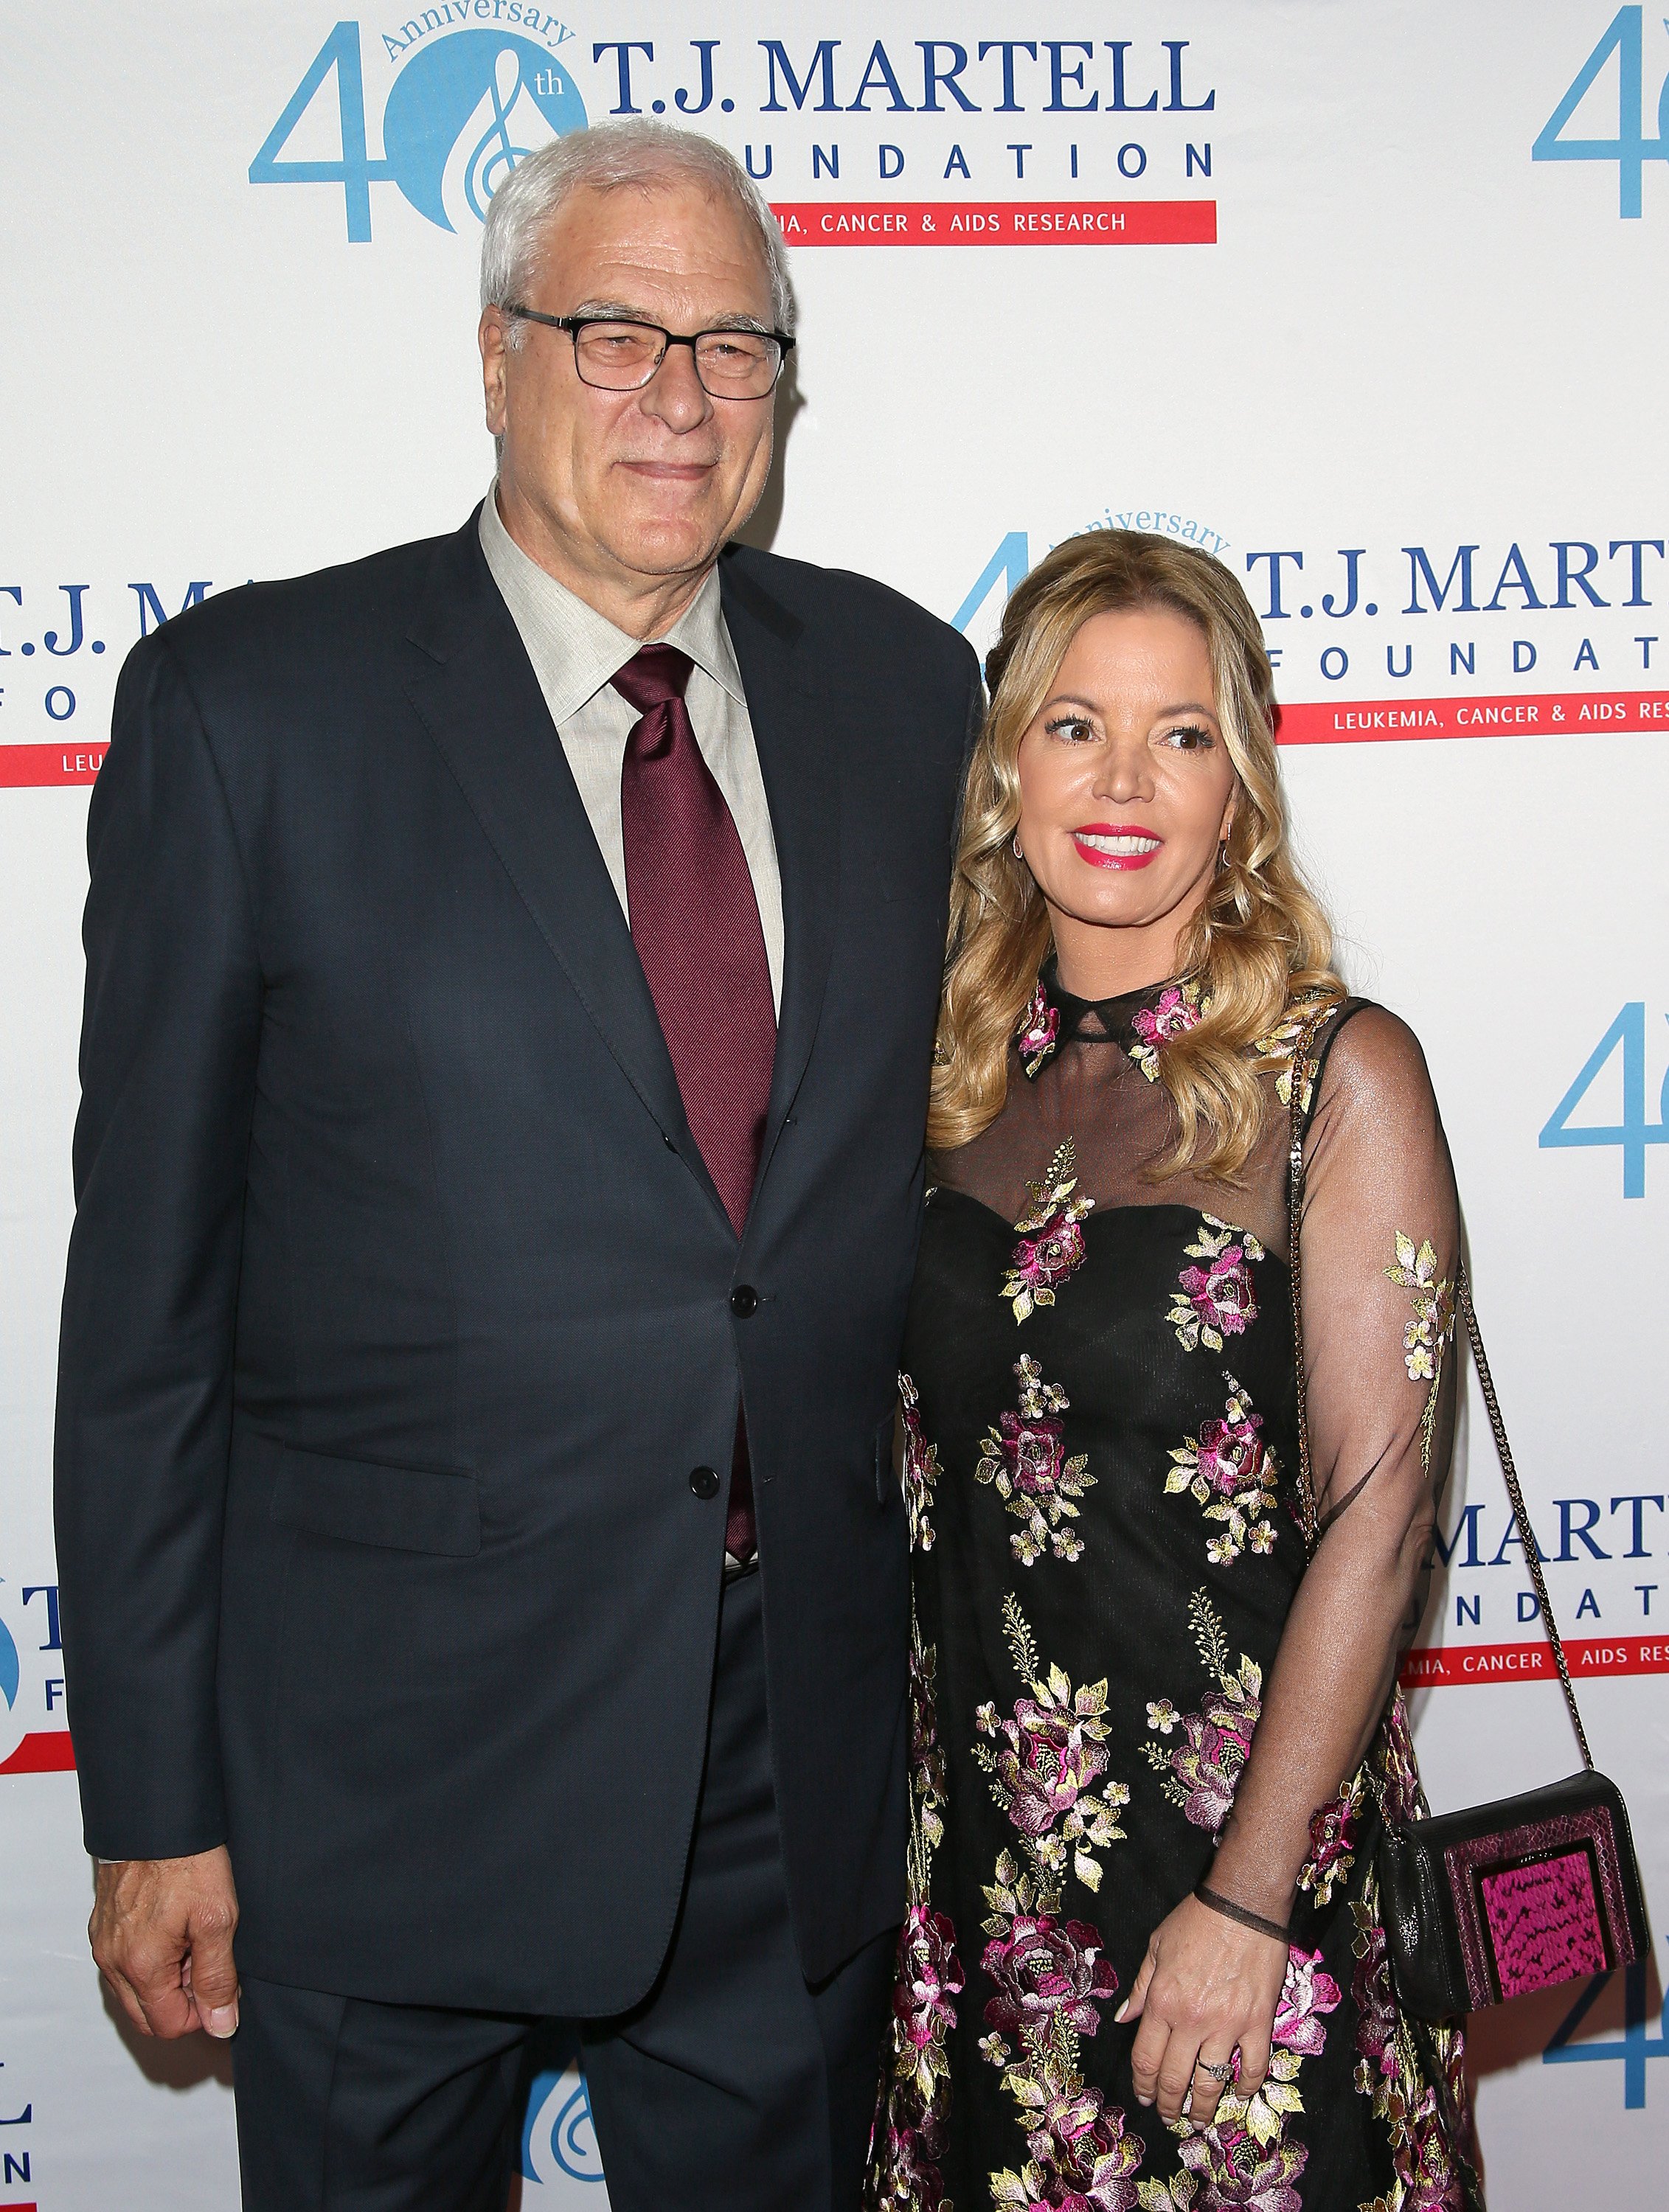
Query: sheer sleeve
[(1381, 1239)]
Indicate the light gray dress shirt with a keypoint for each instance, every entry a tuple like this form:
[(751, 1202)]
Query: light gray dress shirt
[(576, 652)]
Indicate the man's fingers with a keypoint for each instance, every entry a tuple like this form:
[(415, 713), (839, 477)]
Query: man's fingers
[(125, 1995), (212, 1974)]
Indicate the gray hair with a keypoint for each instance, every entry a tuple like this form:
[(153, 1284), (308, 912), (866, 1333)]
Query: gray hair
[(607, 158)]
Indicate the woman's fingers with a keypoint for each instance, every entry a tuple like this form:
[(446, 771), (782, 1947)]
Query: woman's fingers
[(1176, 2073), (1208, 2088), (1132, 2007), (1254, 2060), (1148, 2054)]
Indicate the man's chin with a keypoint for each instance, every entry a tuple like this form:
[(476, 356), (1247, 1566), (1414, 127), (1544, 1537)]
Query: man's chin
[(667, 547)]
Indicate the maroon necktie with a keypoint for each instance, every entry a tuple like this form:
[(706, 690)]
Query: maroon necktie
[(695, 924)]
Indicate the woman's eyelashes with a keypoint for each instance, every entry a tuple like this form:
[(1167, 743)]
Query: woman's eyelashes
[(1075, 728), (1176, 737)]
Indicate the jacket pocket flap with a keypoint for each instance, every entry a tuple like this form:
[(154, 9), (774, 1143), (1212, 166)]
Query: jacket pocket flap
[(406, 1509)]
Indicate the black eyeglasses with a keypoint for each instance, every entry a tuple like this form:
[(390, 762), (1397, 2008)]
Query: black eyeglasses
[(616, 353)]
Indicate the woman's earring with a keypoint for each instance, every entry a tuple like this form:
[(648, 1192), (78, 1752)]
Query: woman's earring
[(1018, 855), (1223, 855)]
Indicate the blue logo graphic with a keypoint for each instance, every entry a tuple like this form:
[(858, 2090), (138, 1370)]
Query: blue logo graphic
[(464, 112), (1632, 1135), (559, 2139), (459, 118), (1631, 149), (8, 1667)]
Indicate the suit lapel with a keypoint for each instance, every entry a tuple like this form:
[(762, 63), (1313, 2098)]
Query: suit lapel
[(479, 701), (798, 742)]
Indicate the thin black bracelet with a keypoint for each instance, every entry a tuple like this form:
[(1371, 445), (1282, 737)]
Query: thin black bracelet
[(1230, 1910)]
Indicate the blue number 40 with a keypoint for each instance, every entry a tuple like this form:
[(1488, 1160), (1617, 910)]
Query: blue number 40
[(1628, 149), (1634, 1133), (1636, 2046), (356, 171)]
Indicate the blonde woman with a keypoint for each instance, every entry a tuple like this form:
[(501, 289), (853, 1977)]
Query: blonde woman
[(1142, 1963)]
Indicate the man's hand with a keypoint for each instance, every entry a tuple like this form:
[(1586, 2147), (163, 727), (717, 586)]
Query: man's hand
[(162, 1933)]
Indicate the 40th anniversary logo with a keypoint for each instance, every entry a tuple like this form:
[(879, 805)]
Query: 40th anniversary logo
[(476, 85)]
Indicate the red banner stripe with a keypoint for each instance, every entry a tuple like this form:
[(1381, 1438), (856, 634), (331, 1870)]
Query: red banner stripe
[(998, 222), (1442, 1666), (1506, 714), (45, 1751), (31, 766)]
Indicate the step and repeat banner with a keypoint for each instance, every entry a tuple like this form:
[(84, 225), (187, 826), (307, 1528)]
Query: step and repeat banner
[(1367, 302)]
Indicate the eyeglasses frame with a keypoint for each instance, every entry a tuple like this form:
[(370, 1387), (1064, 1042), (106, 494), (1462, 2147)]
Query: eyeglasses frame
[(574, 324)]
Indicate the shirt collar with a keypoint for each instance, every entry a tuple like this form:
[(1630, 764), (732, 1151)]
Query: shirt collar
[(574, 650)]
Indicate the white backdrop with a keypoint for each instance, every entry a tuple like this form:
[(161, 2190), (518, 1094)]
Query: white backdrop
[(1293, 281)]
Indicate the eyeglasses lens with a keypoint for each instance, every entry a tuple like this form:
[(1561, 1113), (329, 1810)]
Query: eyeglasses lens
[(731, 364)]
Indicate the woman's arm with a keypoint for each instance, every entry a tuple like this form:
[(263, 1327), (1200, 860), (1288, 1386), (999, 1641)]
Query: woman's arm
[(1380, 1240)]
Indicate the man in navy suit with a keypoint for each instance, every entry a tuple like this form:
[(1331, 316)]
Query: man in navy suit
[(513, 963)]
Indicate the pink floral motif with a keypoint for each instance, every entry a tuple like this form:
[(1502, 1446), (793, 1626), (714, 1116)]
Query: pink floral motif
[(1044, 1968), (921, 1469), (1081, 2158), (1178, 1008), (1039, 1026), (1201, 1774), (1230, 1471), (1051, 1241), (1025, 1456), (1307, 1993), (1235, 2172), (1332, 1839), (927, 1758), (1048, 1760), (928, 1981), (1216, 1300), (904, 2176), (1376, 2008)]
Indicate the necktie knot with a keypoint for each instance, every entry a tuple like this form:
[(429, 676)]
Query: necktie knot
[(654, 675)]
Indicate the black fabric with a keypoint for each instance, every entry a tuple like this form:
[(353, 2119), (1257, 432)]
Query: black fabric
[(733, 2087), (391, 1233), (1119, 1691)]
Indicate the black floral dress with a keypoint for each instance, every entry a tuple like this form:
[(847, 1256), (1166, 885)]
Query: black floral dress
[(1099, 1411)]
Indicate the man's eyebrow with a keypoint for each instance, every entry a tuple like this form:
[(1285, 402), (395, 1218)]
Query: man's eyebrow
[(617, 310)]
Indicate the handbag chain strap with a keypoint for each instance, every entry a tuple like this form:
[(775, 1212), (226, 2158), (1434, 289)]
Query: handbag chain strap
[(1300, 1080)]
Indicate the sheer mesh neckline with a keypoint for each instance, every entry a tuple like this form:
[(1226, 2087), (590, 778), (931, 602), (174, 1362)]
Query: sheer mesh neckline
[(1103, 1021)]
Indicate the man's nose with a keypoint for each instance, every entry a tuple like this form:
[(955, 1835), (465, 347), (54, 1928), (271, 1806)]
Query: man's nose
[(675, 395)]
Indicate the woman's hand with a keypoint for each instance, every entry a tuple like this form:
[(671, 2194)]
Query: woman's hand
[(1205, 1987)]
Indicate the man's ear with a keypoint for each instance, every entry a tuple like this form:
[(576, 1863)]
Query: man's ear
[(493, 337)]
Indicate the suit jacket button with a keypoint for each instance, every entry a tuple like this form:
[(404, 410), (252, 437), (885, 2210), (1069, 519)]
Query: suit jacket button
[(744, 1301), (704, 1482)]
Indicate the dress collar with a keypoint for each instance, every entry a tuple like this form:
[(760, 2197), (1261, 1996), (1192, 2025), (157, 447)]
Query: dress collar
[(1140, 1021)]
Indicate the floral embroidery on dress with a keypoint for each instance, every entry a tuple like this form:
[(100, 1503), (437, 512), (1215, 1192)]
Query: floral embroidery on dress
[(1081, 2156), (909, 2134), (1051, 1242), (1429, 1333), (1040, 1027), (1216, 1300), (1426, 2120), (921, 1469), (1226, 2169), (1200, 1776), (1230, 1471), (1277, 1046), (1179, 1006), (1025, 1457), (1332, 1839), (1045, 1763)]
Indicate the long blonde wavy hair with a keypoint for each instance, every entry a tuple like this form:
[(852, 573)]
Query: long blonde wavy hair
[(1259, 939)]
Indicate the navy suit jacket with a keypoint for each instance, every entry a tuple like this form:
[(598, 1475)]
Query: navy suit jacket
[(400, 1313)]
